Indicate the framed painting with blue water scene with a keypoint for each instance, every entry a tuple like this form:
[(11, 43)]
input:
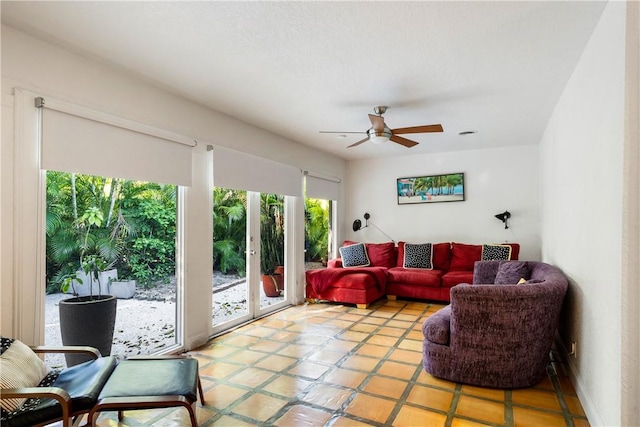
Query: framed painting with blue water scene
[(431, 189)]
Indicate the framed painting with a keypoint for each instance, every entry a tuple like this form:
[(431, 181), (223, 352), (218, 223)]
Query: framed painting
[(431, 189)]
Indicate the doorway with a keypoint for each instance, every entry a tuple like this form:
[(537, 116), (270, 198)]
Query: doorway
[(249, 256)]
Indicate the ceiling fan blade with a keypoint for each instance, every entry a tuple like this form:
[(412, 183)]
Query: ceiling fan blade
[(359, 142), (403, 141), (377, 122), (418, 129), (335, 131)]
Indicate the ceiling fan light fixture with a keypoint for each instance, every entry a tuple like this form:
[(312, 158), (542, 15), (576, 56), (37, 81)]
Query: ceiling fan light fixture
[(379, 137)]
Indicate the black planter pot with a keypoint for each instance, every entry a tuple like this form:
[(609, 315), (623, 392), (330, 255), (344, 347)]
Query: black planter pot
[(88, 321)]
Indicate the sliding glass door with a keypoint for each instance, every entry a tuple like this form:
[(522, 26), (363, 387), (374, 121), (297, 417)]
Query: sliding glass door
[(249, 256), (110, 236)]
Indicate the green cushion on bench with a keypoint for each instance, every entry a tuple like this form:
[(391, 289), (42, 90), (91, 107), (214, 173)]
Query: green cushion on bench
[(163, 377)]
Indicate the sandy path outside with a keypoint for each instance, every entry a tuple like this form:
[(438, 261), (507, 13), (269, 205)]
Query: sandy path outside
[(145, 324)]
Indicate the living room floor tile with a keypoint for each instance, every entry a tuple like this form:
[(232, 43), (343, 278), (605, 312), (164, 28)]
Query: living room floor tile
[(398, 370), (327, 396), (530, 417), (412, 416), (371, 408), (480, 409), (336, 365), (260, 407), (345, 377), (386, 387), (430, 397), (372, 350), (536, 398), (287, 386), (300, 415), (487, 393), (361, 363)]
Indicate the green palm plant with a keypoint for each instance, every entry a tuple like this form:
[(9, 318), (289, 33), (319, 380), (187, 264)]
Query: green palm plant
[(229, 230), (271, 232), (317, 230), (87, 242)]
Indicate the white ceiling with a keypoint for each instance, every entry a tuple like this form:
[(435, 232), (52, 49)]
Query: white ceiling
[(296, 68)]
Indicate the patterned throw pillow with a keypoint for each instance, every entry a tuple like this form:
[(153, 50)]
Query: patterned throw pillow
[(354, 255), (496, 252), (418, 256), (19, 367)]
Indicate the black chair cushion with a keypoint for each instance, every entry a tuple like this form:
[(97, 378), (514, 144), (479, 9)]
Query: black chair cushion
[(164, 377)]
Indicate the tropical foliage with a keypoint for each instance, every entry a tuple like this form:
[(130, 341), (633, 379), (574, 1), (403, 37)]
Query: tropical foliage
[(100, 223), (271, 232), (317, 229), (229, 230), (96, 222)]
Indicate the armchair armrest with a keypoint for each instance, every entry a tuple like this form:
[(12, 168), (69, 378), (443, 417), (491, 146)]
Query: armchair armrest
[(74, 349), (63, 398), (32, 392), (437, 328)]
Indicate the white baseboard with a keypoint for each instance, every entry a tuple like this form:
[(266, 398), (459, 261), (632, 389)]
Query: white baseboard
[(585, 399), (195, 341)]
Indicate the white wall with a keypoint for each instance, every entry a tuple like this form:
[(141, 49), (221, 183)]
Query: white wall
[(495, 180), (581, 170), (42, 68)]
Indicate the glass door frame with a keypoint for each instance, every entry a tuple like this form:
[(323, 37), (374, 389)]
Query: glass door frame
[(253, 273), (253, 257)]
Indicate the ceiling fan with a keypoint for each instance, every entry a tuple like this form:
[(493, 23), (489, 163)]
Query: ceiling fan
[(380, 132)]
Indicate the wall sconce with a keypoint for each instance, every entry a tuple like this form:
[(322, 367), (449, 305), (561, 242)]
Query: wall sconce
[(504, 217), (357, 225)]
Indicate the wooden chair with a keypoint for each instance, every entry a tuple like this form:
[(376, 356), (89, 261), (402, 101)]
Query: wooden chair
[(101, 384), (28, 399)]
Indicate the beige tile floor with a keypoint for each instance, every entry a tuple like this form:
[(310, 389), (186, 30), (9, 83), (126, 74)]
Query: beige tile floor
[(336, 365)]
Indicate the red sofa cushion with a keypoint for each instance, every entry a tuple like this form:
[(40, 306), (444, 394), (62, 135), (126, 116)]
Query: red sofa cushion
[(412, 276), (464, 256), (353, 278), (515, 250), (441, 255), (454, 278), (380, 254)]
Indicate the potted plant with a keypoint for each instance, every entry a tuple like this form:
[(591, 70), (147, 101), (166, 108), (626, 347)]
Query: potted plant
[(88, 319), (123, 287), (272, 245)]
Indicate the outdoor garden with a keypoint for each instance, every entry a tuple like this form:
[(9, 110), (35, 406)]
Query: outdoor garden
[(101, 232)]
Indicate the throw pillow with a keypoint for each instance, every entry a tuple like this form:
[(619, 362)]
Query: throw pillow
[(354, 255), (496, 252), (418, 256), (20, 367), (510, 272)]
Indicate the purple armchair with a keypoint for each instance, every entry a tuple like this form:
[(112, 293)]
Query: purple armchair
[(496, 335)]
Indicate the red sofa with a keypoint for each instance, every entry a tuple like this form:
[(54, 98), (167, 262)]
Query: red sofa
[(452, 264)]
